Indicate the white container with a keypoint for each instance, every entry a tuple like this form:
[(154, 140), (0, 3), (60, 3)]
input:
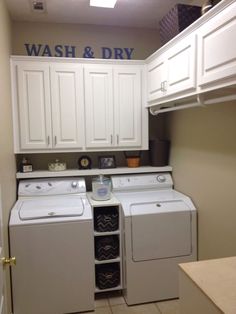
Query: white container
[(101, 188)]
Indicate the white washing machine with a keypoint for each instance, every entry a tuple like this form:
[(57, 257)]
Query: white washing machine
[(160, 232), (51, 236)]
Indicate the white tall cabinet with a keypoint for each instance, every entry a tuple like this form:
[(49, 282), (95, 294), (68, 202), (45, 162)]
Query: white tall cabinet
[(113, 106)]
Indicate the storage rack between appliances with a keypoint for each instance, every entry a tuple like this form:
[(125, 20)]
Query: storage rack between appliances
[(101, 262)]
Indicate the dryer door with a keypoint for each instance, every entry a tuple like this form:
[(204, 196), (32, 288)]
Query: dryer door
[(160, 230)]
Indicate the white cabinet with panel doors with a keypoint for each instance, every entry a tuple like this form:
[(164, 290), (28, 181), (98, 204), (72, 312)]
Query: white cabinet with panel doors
[(48, 106), (217, 50), (173, 71), (67, 105), (113, 106), (128, 106), (76, 106), (34, 106), (198, 66), (98, 106)]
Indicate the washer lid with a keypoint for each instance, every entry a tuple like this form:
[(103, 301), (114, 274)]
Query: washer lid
[(50, 208)]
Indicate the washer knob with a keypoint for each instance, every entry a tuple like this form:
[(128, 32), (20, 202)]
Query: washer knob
[(161, 179), (74, 184)]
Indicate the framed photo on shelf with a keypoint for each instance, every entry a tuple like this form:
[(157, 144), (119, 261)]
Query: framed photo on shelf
[(105, 162)]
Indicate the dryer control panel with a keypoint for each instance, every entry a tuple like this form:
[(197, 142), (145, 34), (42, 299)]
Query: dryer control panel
[(156, 181)]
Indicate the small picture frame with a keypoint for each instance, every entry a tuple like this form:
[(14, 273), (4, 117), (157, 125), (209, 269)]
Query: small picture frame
[(105, 162)]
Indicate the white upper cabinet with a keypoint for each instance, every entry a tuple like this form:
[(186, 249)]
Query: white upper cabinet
[(156, 76), (48, 99), (217, 49), (35, 130), (67, 105), (128, 106), (181, 66), (173, 71), (201, 60), (75, 106), (98, 106), (113, 106)]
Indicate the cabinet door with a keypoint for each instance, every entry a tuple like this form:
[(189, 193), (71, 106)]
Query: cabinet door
[(217, 47), (34, 105), (181, 66), (156, 76), (127, 97), (98, 106), (67, 105)]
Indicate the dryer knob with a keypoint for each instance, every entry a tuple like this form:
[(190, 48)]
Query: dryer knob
[(161, 179), (74, 184)]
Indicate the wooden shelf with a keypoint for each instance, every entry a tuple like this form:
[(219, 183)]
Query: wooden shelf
[(90, 172)]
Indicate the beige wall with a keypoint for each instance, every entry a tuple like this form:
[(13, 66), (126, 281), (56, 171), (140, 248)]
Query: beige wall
[(144, 41), (203, 157), (7, 160)]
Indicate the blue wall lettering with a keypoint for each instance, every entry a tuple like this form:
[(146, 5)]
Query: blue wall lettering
[(33, 50), (106, 53), (88, 52), (46, 51), (58, 51), (118, 53), (129, 52), (69, 51)]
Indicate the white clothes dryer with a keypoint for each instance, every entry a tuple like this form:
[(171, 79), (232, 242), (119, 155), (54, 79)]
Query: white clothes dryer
[(51, 236), (160, 232)]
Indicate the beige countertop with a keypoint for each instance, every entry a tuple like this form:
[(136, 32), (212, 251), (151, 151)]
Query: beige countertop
[(217, 279)]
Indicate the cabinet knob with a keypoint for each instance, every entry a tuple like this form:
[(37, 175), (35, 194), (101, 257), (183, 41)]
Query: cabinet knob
[(162, 87), (8, 261)]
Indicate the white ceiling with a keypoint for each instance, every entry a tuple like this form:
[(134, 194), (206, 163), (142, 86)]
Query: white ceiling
[(129, 13)]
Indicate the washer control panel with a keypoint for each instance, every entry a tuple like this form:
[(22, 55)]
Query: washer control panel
[(51, 186), (141, 181)]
